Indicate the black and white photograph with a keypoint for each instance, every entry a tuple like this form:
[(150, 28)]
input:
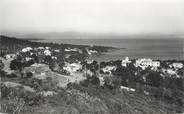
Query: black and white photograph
[(92, 56)]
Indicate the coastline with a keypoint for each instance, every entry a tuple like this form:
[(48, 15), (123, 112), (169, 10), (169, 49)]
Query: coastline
[(104, 51), (8, 42), (57, 75), (163, 49)]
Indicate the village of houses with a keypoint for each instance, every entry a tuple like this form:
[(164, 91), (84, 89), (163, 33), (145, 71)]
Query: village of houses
[(56, 77), (45, 63)]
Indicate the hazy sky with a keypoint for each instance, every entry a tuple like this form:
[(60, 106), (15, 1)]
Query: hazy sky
[(100, 16)]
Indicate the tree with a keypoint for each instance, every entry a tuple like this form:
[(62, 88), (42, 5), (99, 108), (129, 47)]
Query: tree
[(16, 65), (48, 60), (28, 63), (181, 72), (35, 58), (1, 65), (94, 80), (154, 79), (29, 74), (113, 82)]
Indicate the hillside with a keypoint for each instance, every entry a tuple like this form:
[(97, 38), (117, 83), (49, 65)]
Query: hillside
[(59, 78)]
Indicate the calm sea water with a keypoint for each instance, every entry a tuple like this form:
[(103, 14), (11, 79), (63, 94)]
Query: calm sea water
[(135, 48)]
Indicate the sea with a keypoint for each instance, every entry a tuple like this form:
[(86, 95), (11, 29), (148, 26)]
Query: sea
[(162, 49)]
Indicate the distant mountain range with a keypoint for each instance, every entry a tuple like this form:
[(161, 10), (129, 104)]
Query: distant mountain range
[(87, 35)]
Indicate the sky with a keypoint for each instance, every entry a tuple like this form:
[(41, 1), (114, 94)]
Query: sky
[(94, 16)]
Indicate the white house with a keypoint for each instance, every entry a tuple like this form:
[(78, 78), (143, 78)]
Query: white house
[(57, 50), (93, 51), (10, 56), (48, 93), (47, 53), (74, 49), (53, 57), (47, 47), (144, 63), (28, 59), (125, 62), (109, 69), (177, 65), (171, 72), (72, 68), (168, 71), (90, 52), (41, 48), (26, 49), (127, 88), (69, 49), (102, 81), (31, 53), (89, 61)]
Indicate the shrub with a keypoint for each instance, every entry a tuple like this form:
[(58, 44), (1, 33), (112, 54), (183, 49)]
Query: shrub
[(17, 100)]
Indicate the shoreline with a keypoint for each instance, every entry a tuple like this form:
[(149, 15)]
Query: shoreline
[(133, 49), (103, 51), (8, 42)]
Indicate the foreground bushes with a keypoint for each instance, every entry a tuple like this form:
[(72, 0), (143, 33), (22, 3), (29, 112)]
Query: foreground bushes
[(92, 98), (18, 99)]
